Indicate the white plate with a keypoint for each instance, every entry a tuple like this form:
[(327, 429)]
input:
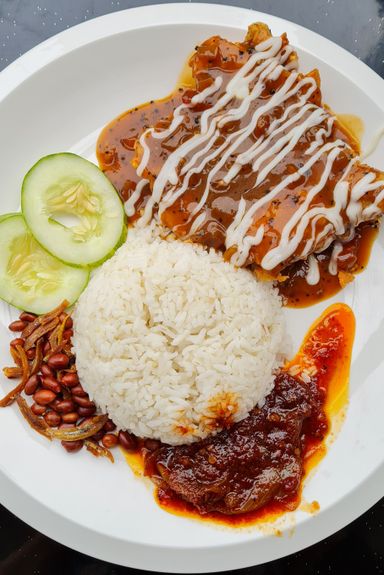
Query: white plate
[(57, 97)]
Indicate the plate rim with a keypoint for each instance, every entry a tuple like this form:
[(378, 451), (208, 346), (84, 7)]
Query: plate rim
[(74, 37), (154, 557)]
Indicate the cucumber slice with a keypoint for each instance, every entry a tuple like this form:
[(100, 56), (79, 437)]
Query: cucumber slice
[(30, 278), (65, 186), (122, 239), (10, 215)]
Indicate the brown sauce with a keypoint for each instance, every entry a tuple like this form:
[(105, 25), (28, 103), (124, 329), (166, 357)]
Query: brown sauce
[(354, 125), (353, 260), (116, 144), (117, 155), (327, 348), (186, 80)]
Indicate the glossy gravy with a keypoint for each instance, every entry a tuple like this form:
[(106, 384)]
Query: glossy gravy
[(117, 152)]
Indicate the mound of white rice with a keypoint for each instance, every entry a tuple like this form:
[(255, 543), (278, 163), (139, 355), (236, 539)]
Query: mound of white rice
[(173, 342)]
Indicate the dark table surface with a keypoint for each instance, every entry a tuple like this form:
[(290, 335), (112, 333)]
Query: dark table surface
[(358, 26)]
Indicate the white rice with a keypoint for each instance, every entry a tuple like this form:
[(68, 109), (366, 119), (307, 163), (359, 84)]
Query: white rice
[(173, 342)]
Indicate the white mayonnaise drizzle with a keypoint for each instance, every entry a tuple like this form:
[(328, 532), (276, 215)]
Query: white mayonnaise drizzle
[(250, 71), (174, 193), (291, 140), (300, 219), (265, 154), (321, 135), (261, 144), (355, 208), (336, 251), (129, 205), (279, 97), (177, 119), (236, 234), (196, 224), (313, 273), (289, 242)]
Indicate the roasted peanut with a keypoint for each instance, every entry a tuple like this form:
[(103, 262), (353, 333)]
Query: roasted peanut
[(49, 382), (17, 341), (109, 426), (68, 333), (70, 379), (65, 406), (54, 403), (70, 417), (32, 384), (72, 446), (26, 316), (46, 370), (86, 411), (82, 401), (52, 418), (79, 391), (38, 409), (58, 361), (109, 440), (44, 396), (127, 440), (17, 325)]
